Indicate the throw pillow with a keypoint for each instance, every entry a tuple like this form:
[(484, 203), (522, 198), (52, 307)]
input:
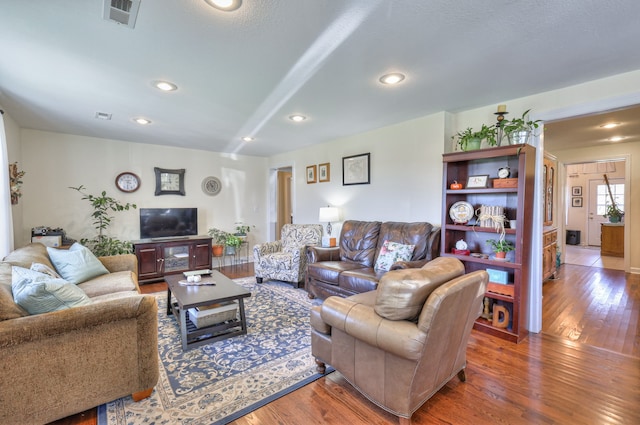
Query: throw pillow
[(401, 294), (40, 293), (392, 252), (43, 268), (77, 264)]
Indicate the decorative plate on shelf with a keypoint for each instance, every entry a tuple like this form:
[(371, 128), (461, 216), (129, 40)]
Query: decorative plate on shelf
[(461, 212)]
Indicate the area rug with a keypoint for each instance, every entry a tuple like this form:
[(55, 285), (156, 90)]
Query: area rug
[(222, 381)]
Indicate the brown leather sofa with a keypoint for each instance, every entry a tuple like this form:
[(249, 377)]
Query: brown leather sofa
[(349, 268), (398, 345)]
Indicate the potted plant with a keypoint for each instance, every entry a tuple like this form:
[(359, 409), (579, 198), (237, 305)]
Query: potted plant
[(471, 140), (232, 243), (241, 229), (614, 213), (518, 130), (500, 247), (101, 244), (219, 241)]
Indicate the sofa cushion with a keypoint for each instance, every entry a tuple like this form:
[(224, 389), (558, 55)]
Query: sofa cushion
[(401, 294), (43, 268), (77, 264), (109, 283), (363, 279), (359, 241), (40, 293), (329, 271), (29, 254), (8, 307), (392, 252), (416, 234)]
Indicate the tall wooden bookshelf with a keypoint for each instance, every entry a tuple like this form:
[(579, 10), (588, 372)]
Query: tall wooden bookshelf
[(517, 202)]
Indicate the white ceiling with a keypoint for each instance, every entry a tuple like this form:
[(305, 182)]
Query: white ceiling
[(244, 72)]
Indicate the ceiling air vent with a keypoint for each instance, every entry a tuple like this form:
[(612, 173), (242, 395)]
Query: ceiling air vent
[(123, 12)]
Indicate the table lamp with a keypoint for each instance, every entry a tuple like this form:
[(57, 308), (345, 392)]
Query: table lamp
[(328, 214)]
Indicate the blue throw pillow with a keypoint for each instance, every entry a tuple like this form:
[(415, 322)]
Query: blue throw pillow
[(40, 293), (77, 264)]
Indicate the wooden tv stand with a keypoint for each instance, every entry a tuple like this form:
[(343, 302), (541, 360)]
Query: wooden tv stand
[(165, 256)]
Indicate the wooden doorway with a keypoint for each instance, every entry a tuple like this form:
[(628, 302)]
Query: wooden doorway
[(284, 209)]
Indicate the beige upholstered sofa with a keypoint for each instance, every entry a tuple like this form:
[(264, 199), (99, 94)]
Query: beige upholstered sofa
[(399, 344), (64, 362)]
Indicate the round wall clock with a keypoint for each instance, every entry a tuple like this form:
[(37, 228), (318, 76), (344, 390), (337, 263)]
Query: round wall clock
[(128, 182), (211, 185)]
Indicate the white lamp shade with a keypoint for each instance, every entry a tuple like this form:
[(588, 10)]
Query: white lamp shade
[(328, 214)]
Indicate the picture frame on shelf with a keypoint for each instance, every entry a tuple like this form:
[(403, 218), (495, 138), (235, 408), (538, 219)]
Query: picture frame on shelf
[(311, 174), (169, 182), (478, 182), (576, 201), (324, 172), (576, 191), (356, 169)]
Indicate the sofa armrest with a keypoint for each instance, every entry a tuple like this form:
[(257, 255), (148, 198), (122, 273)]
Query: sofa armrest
[(433, 243), (266, 248), (359, 320), (402, 265), (119, 263), (315, 254), (113, 343)]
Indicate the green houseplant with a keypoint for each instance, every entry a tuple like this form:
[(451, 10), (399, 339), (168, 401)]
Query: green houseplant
[(101, 244), (219, 241), (471, 140), (500, 247), (242, 229), (518, 130), (613, 213), (232, 243)]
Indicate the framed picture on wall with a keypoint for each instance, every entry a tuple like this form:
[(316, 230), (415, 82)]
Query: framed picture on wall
[(356, 169), (324, 172), (576, 201), (311, 174), (576, 191)]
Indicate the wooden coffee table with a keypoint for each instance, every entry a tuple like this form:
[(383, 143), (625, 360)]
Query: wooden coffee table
[(195, 296)]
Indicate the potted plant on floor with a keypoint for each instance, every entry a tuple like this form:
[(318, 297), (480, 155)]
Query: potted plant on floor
[(518, 130), (471, 140), (219, 241), (500, 247), (101, 244)]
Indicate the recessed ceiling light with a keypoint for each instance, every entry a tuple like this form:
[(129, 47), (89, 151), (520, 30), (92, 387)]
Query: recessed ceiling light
[(165, 85), (226, 5), (393, 78), (297, 118), (248, 139), (616, 138), (142, 121)]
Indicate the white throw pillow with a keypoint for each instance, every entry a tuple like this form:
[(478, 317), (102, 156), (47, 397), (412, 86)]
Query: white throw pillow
[(40, 293), (77, 264)]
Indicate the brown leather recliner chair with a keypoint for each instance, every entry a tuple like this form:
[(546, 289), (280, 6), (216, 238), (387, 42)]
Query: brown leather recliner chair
[(398, 345)]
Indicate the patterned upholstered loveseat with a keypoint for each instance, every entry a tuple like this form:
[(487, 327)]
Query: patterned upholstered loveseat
[(286, 258)]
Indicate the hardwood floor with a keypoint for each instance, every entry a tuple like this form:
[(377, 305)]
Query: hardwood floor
[(584, 368)]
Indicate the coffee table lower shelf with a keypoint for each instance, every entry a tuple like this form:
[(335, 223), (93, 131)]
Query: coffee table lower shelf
[(193, 336)]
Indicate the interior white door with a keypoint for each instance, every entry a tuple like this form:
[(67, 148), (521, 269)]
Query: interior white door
[(597, 203)]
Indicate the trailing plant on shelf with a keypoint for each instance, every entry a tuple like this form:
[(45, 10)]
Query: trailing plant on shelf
[(242, 229), (471, 140), (518, 130), (233, 241), (101, 244)]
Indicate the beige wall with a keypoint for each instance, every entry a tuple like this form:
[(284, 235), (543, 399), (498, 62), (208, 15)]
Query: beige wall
[(54, 162)]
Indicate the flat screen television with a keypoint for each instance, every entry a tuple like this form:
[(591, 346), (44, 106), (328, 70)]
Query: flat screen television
[(168, 222)]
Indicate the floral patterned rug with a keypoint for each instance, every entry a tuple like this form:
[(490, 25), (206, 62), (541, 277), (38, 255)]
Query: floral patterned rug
[(222, 381)]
